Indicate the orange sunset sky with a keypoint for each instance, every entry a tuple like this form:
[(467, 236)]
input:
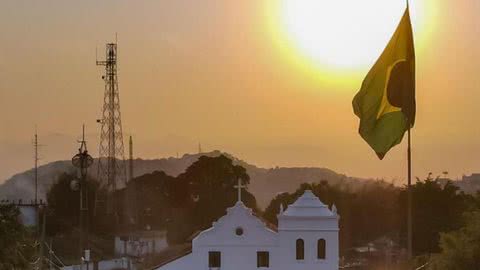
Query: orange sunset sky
[(270, 82)]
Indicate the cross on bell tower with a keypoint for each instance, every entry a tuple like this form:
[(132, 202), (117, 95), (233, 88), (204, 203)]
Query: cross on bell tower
[(239, 187)]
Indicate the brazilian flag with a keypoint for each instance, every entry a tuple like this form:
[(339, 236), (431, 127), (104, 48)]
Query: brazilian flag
[(385, 103)]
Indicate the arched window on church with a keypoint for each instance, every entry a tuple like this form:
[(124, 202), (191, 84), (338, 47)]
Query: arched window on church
[(321, 249), (300, 247)]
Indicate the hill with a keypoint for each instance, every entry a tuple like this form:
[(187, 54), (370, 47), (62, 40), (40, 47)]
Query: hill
[(265, 183)]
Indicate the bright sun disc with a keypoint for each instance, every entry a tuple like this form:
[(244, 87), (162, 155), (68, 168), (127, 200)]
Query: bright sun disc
[(344, 34)]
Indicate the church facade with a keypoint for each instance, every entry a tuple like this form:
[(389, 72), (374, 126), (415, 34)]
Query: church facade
[(306, 239)]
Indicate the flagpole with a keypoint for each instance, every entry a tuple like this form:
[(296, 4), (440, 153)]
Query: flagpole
[(409, 190), (409, 199)]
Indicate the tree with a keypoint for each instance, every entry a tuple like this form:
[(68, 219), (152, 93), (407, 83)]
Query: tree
[(156, 194), (205, 191), (64, 204), (191, 201), (460, 249), (366, 214), (16, 247), (436, 209)]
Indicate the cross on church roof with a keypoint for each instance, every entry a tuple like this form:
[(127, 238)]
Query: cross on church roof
[(239, 187)]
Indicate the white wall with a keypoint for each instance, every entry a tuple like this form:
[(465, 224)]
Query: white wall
[(120, 263), (287, 253), (142, 245), (28, 215), (237, 252), (184, 263), (80, 267)]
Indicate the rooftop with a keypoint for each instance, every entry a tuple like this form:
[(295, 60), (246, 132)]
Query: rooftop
[(309, 205)]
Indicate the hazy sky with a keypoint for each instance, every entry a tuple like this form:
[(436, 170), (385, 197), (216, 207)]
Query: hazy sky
[(218, 73)]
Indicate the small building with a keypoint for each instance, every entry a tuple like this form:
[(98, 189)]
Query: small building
[(28, 211), (141, 243), (306, 239), (28, 214)]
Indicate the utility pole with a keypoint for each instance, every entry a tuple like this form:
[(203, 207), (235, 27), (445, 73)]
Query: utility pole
[(36, 158), (50, 251), (40, 229), (131, 190), (130, 163), (42, 238), (82, 161)]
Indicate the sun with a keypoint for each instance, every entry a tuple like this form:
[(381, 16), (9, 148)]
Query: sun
[(344, 35)]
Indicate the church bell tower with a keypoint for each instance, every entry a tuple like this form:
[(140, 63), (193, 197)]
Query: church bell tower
[(308, 234)]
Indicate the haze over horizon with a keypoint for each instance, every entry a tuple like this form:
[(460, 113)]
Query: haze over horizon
[(219, 74)]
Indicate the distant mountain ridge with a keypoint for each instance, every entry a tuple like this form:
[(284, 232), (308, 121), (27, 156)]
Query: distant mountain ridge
[(264, 183)]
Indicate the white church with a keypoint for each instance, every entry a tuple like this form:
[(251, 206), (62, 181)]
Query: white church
[(306, 239)]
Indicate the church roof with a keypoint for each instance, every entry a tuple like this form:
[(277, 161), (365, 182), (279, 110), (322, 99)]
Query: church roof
[(237, 215), (267, 223), (308, 205), (168, 255)]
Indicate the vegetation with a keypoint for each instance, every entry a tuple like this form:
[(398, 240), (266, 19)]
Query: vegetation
[(460, 248), (16, 244), (367, 214), (379, 210), (436, 209), (191, 201), (182, 205), (155, 195), (64, 204), (211, 190)]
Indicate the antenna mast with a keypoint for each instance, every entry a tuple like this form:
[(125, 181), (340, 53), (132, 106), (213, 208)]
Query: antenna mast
[(35, 145), (36, 158), (131, 194), (130, 163), (111, 163)]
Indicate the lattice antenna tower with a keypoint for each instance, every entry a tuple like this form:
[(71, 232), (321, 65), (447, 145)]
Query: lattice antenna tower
[(112, 173)]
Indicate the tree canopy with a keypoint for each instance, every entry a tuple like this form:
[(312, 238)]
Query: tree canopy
[(16, 244), (64, 204), (192, 200), (210, 183), (366, 214), (436, 208), (379, 209), (460, 249)]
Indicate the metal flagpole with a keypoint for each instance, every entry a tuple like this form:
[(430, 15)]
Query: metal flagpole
[(409, 190), (409, 198)]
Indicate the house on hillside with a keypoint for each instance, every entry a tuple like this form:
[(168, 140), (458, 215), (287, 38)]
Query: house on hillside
[(306, 239)]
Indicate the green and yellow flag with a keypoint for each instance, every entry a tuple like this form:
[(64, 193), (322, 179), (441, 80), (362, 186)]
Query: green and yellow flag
[(386, 102)]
